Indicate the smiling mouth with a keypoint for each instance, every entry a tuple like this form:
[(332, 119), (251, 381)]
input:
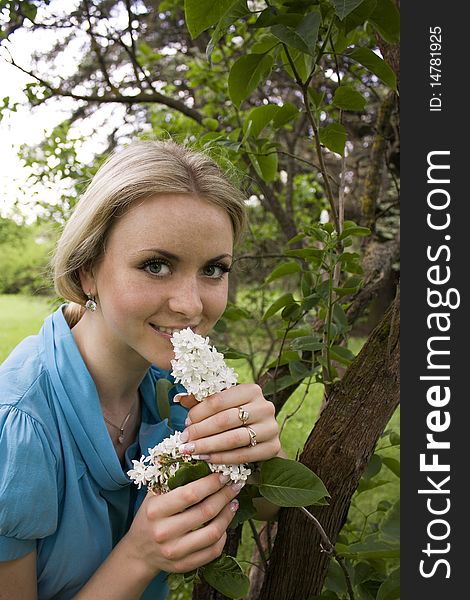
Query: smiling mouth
[(170, 330)]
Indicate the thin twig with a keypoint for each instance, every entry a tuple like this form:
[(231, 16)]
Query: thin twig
[(258, 542), (329, 548), (299, 406)]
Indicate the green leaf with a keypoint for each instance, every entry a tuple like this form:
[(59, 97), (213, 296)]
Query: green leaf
[(342, 355), (373, 467), (276, 385), (265, 43), (307, 342), (162, 389), (393, 464), (340, 317), (236, 313), (310, 301), (293, 333), (348, 99), (189, 472), (211, 124), (298, 370), (266, 164), (246, 74), (285, 357), (390, 588), (277, 305), (232, 353), (376, 65), (291, 312), (202, 14), (344, 7), (351, 262), (259, 117), (287, 112), (298, 237), (366, 485), (395, 438), (236, 10), (29, 10), (333, 136), (371, 548), (304, 36), (306, 253), (390, 525), (287, 482), (386, 20), (355, 231), (226, 576), (285, 269), (246, 509), (175, 580), (358, 16)]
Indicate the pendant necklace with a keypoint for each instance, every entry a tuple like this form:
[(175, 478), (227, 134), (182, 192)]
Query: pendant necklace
[(123, 424)]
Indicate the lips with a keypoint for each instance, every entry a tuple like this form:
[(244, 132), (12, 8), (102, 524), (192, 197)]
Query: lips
[(170, 330)]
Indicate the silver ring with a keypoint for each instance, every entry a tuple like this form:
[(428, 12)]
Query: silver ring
[(252, 433), (243, 415)]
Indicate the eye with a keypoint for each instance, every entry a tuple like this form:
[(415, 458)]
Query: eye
[(156, 267), (215, 271)]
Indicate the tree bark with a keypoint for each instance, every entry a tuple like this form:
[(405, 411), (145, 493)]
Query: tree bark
[(338, 450)]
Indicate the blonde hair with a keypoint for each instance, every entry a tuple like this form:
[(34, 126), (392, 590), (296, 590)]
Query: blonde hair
[(141, 170)]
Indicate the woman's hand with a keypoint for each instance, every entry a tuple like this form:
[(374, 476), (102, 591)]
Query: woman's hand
[(216, 432), (185, 528)]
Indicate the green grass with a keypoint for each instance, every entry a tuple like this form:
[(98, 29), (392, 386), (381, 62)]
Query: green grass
[(20, 316)]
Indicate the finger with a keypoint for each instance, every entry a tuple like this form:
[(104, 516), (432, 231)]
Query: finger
[(234, 438), (181, 498), (198, 559), (206, 536), (174, 527), (186, 400), (225, 420), (247, 454), (237, 395)]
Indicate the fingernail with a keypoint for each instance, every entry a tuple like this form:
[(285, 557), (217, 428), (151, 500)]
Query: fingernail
[(180, 396), (187, 448), (234, 505), (204, 456), (224, 478), (187, 422), (184, 437), (236, 487)]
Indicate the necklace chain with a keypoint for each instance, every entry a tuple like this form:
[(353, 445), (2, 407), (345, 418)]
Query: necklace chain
[(123, 424)]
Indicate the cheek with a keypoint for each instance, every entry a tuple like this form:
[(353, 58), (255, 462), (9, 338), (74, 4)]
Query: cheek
[(216, 302), (128, 297)]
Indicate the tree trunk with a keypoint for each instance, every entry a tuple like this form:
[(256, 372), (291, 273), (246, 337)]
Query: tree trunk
[(338, 450)]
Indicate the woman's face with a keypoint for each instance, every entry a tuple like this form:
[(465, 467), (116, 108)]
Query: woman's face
[(164, 268)]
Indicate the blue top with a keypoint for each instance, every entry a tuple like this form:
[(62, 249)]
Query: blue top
[(62, 488)]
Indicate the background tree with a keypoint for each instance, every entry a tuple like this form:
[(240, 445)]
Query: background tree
[(295, 95)]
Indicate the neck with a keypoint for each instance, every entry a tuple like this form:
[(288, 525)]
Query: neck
[(116, 371)]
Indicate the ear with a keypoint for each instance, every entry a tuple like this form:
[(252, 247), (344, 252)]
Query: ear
[(87, 280)]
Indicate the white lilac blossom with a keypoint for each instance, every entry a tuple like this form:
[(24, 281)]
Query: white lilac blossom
[(202, 371), (162, 462), (198, 366)]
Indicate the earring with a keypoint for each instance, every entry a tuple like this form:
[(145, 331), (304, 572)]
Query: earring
[(90, 303)]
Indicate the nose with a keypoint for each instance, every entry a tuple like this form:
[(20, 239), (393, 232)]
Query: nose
[(186, 298)]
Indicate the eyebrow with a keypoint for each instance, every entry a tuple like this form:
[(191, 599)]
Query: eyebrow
[(176, 258)]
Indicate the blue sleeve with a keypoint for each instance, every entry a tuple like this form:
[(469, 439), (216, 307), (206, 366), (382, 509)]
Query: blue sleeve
[(28, 484)]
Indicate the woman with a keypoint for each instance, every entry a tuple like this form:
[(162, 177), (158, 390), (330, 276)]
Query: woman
[(147, 251)]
